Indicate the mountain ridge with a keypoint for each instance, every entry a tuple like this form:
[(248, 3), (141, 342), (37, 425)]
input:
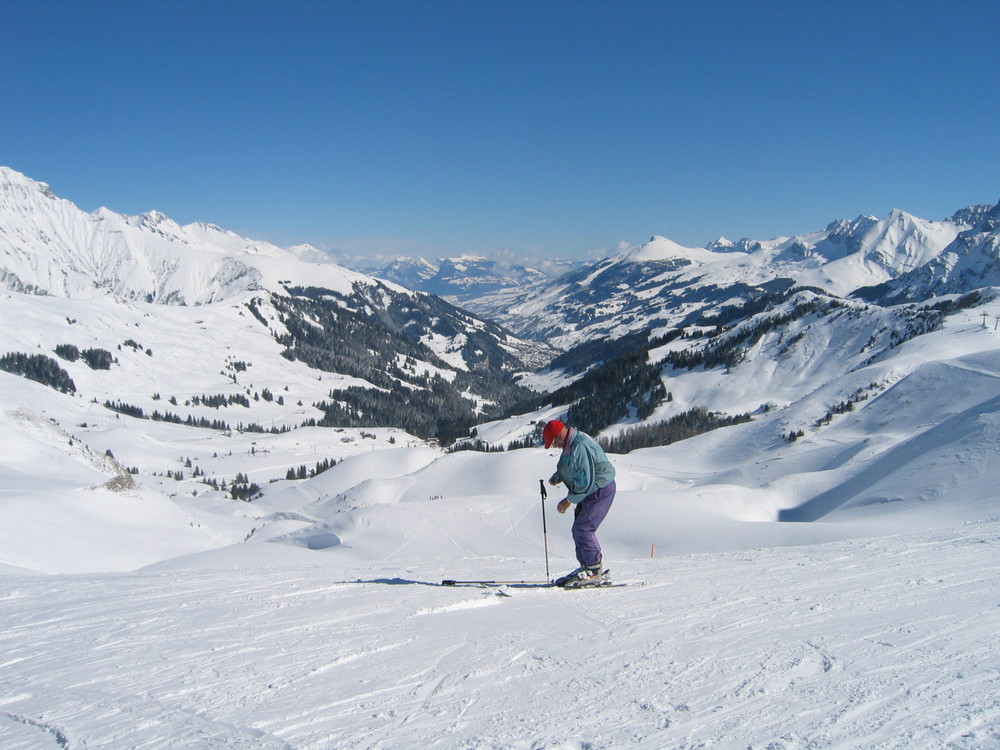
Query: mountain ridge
[(662, 285), (148, 256), (376, 335), (652, 313)]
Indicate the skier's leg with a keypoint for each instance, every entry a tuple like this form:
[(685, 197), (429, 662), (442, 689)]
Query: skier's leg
[(589, 514)]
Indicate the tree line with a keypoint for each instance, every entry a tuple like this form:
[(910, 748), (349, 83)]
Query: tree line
[(680, 427), (40, 368)]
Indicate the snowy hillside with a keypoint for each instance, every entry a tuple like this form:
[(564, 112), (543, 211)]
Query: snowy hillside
[(971, 261), (872, 627), (187, 560), (49, 246), (97, 279), (662, 284)]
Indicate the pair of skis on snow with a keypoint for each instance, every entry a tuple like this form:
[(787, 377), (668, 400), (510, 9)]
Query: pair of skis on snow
[(597, 582)]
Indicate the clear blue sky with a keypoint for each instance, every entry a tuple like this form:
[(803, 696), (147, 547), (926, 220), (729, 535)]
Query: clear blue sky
[(544, 128)]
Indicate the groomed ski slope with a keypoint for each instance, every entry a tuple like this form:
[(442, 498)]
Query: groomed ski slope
[(883, 642)]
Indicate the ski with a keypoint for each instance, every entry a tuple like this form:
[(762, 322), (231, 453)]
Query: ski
[(604, 583), (449, 582)]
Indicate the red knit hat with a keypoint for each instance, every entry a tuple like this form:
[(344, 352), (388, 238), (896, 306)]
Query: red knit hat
[(552, 429)]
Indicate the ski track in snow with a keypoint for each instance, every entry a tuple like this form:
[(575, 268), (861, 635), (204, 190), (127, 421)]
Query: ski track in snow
[(870, 643)]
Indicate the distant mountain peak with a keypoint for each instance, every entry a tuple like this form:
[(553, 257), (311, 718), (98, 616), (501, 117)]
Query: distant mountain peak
[(972, 215), (663, 249), (660, 284), (50, 246), (153, 221), (722, 244), (14, 184)]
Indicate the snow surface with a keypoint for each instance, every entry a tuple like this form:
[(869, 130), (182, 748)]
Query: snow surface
[(887, 642), (166, 614)]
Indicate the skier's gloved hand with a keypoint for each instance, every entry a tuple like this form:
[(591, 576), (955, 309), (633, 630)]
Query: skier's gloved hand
[(555, 479)]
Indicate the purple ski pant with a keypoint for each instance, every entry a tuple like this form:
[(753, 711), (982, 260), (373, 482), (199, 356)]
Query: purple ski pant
[(587, 517)]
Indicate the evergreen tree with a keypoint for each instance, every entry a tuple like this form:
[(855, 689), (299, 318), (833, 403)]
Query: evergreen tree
[(40, 368)]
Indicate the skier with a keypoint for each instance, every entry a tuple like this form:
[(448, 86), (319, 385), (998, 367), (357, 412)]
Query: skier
[(590, 481)]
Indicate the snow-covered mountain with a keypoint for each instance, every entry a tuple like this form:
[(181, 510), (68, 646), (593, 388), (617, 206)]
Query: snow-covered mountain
[(678, 339), (311, 617), (823, 574), (970, 261), (662, 285), (49, 246), (373, 334)]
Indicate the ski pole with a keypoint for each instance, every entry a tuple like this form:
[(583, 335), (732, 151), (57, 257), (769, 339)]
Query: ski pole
[(545, 530)]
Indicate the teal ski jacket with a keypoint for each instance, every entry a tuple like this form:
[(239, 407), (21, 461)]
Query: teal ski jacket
[(583, 466)]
